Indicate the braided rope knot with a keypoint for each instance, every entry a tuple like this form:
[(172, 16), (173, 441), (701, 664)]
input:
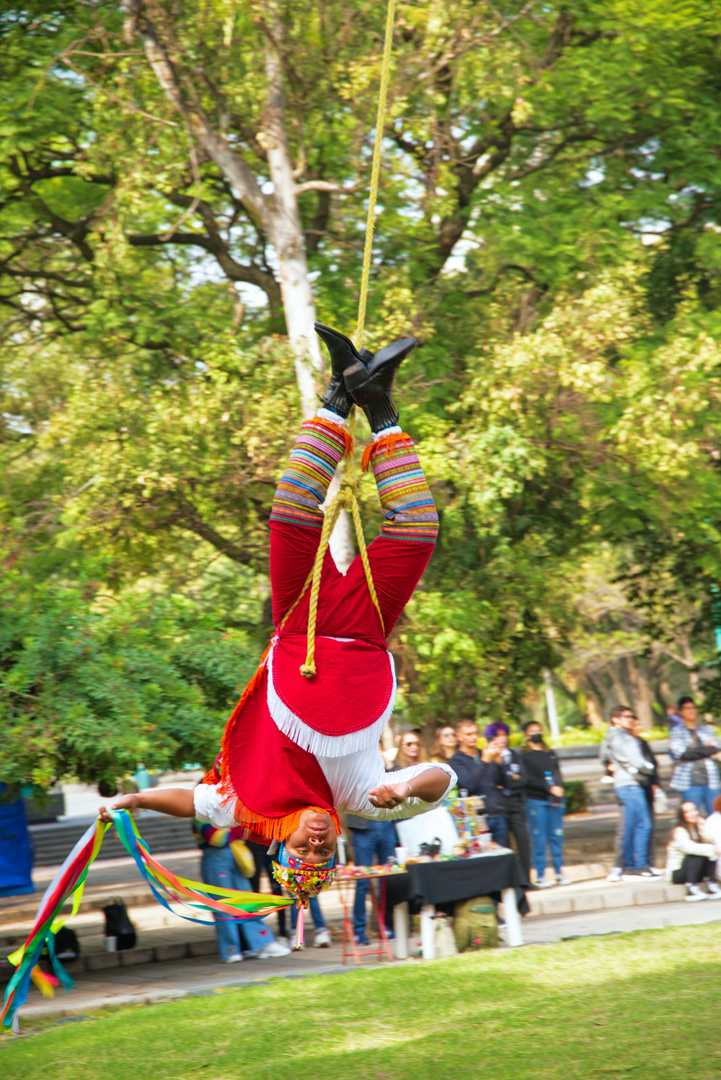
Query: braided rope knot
[(348, 488)]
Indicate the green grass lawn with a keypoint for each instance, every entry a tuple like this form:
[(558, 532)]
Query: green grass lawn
[(642, 1005)]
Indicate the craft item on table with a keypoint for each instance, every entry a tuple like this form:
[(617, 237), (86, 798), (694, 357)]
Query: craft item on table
[(353, 872), (473, 833)]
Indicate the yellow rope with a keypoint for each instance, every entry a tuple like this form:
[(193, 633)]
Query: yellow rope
[(375, 173), (346, 497)]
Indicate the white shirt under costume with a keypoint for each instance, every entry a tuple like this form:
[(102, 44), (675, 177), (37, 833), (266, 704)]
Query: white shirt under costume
[(350, 778)]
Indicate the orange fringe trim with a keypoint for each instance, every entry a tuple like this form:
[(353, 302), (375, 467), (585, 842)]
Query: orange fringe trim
[(336, 429), (273, 828), (386, 445)]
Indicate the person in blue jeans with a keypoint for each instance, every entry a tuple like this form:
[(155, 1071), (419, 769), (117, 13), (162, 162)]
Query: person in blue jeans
[(218, 867), (545, 805), (695, 748), (632, 773), (373, 842)]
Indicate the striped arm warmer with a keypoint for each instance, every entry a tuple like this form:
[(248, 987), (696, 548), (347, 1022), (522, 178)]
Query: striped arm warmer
[(409, 510), (303, 486)]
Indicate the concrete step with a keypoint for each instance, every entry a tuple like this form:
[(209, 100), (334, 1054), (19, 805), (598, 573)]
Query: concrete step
[(601, 895), (53, 841)]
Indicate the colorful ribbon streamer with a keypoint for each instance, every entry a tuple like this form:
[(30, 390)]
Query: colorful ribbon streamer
[(69, 882)]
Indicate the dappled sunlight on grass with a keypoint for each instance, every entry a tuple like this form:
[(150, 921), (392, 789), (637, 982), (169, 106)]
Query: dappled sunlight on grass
[(583, 1010)]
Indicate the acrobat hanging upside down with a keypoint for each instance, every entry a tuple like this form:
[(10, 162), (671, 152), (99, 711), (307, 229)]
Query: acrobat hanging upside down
[(297, 750)]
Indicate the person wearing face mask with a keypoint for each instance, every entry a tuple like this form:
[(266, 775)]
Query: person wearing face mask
[(545, 805), (513, 792)]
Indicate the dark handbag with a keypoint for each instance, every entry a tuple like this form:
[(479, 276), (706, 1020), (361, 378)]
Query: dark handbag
[(431, 849), (67, 946), (119, 926)]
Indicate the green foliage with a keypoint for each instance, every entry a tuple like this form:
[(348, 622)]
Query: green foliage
[(577, 797), (91, 684), (549, 228)]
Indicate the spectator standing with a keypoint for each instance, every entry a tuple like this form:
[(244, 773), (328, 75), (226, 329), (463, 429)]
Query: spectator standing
[(445, 743), (479, 773), (218, 867), (375, 842), (649, 789), (514, 792), (691, 855), (545, 805), (631, 775), (617, 713), (693, 746), (264, 863)]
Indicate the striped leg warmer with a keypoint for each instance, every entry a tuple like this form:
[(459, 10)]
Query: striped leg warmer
[(303, 486), (409, 510)]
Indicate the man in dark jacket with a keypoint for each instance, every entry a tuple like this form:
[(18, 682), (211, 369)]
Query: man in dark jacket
[(514, 793), (481, 774)]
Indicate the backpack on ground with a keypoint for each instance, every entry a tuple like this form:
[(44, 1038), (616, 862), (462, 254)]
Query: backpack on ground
[(475, 925), (119, 926)]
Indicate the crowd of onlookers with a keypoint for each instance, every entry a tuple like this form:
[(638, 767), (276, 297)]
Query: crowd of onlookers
[(524, 807), (694, 846)]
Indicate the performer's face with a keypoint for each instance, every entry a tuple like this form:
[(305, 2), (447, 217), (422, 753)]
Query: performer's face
[(314, 841)]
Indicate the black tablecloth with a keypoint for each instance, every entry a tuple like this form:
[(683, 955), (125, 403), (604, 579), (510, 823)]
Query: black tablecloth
[(443, 883)]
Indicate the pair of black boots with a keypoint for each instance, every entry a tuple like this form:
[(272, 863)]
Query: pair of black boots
[(363, 377)]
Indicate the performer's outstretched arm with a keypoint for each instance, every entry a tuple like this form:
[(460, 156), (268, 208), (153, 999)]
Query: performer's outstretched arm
[(430, 786), (178, 802)]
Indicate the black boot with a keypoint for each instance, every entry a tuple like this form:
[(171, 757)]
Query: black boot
[(370, 384), (343, 354)]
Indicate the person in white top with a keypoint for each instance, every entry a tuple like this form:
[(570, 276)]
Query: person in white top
[(691, 855), (712, 829)]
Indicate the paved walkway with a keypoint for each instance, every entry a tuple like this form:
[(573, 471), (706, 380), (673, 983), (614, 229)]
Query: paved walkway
[(204, 974)]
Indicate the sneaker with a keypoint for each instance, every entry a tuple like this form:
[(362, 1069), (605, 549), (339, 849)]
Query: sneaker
[(284, 941), (361, 939), (616, 874), (544, 883), (714, 889), (655, 872), (234, 958), (631, 875), (561, 880), (321, 939), (694, 893), (269, 952)]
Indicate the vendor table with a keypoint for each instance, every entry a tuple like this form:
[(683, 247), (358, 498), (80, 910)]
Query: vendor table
[(426, 885)]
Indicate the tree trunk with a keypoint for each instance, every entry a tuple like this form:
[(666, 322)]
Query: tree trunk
[(642, 696), (286, 236), (279, 216)]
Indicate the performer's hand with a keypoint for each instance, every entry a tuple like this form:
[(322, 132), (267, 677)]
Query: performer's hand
[(125, 802), (388, 795)]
